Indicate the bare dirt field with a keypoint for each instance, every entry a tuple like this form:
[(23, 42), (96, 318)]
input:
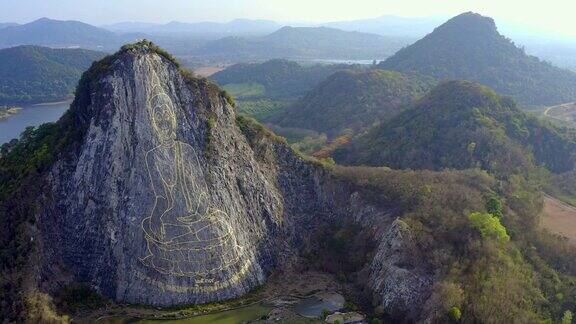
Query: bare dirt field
[(208, 70), (559, 218), (565, 112)]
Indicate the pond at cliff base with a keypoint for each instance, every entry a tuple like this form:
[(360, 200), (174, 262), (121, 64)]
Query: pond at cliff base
[(313, 307)]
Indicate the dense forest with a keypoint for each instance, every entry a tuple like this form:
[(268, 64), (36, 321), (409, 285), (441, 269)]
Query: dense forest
[(33, 74), (463, 125), (498, 265), (469, 47), (480, 238), (262, 90), (353, 100), (279, 78)]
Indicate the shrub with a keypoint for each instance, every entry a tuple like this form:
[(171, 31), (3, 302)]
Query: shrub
[(455, 313), (489, 227), (567, 318)]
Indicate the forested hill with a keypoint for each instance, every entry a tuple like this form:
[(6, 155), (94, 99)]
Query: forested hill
[(279, 78), (464, 125), (469, 47), (32, 74), (306, 43), (352, 100)]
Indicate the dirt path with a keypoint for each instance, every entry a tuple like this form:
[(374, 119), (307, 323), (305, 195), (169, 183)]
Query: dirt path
[(562, 106), (559, 218)]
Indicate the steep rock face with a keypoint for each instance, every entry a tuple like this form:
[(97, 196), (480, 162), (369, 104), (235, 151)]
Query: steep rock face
[(400, 289), (146, 215), (170, 199)]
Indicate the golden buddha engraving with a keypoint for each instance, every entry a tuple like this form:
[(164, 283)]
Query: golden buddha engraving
[(186, 236)]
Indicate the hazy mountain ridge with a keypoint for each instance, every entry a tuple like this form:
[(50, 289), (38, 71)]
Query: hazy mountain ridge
[(469, 47), (306, 43), (237, 27), (411, 27), (4, 25), (57, 33)]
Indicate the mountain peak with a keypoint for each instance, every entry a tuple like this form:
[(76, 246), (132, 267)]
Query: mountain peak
[(470, 22), (469, 47), (464, 94), (42, 20)]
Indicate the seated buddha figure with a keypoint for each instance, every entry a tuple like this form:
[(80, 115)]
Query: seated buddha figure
[(185, 235)]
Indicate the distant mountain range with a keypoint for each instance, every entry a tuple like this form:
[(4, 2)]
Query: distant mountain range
[(57, 33), (4, 25), (469, 47), (253, 39), (412, 27), (306, 43), (234, 27), (184, 38), (33, 74)]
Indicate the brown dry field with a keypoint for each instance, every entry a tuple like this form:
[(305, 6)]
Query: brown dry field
[(208, 70), (565, 112), (559, 218)]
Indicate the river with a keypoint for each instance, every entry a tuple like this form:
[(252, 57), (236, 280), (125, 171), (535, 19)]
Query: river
[(31, 115)]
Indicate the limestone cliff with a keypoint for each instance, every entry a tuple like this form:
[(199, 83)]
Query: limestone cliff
[(166, 197)]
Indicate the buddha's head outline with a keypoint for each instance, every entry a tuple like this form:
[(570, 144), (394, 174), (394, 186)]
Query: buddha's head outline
[(163, 116)]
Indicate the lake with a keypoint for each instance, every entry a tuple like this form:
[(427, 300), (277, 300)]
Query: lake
[(32, 115)]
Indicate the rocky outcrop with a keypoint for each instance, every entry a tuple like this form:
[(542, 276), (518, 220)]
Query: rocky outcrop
[(164, 203), (400, 287), (169, 198)]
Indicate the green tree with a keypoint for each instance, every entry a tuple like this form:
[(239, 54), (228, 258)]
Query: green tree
[(455, 313), (489, 227), (567, 318), (494, 206)]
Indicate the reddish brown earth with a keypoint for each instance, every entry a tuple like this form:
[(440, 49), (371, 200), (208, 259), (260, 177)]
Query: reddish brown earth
[(559, 218), (208, 70)]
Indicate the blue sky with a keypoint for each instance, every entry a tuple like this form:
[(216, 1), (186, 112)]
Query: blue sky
[(551, 15)]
